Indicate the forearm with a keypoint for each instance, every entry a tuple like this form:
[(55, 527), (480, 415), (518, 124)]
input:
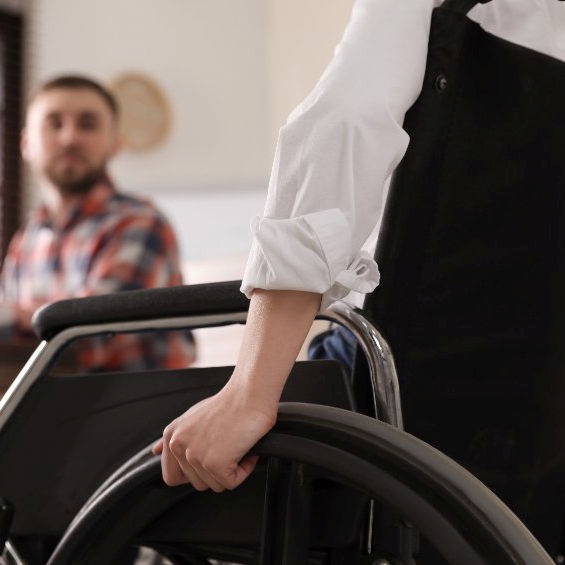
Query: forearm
[(207, 445), (277, 325)]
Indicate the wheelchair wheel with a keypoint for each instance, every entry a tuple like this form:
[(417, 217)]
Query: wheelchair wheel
[(466, 522)]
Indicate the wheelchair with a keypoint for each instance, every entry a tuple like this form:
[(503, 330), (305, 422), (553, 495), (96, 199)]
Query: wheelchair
[(78, 471), (472, 308)]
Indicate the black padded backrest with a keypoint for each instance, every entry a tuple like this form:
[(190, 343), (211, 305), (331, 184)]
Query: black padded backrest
[(70, 433), (473, 265)]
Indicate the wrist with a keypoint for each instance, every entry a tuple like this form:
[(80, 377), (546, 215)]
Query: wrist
[(253, 396)]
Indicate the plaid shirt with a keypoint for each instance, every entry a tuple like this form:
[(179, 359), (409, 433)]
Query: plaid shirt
[(107, 243)]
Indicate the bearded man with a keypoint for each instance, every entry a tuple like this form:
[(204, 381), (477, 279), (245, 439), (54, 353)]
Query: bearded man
[(87, 238)]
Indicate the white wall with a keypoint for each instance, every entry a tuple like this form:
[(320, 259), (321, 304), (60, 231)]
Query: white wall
[(232, 69), (208, 56), (302, 35), (212, 224)]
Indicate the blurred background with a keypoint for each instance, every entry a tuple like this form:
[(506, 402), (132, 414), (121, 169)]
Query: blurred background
[(229, 72), (205, 84)]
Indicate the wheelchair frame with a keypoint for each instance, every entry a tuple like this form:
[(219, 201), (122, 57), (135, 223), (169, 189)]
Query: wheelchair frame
[(385, 386), (382, 371), (386, 400)]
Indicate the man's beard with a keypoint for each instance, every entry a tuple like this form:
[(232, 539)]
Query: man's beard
[(72, 185)]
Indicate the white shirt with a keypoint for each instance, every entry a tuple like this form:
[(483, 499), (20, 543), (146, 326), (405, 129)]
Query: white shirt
[(341, 144)]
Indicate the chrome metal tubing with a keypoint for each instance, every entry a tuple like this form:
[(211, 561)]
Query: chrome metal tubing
[(382, 373), (382, 370), (47, 351), (11, 552)]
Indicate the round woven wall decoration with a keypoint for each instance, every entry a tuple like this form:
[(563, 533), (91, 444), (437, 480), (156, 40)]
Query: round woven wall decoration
[(145, 114)]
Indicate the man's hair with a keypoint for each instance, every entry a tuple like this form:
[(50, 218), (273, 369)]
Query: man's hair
[(76, 82)]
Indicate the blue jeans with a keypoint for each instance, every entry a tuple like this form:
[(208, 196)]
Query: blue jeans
[(338, 343)]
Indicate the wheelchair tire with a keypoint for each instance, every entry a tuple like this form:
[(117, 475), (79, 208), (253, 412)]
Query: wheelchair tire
[(465, 521)]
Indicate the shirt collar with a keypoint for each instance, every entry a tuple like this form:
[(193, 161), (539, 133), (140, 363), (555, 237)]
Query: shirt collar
[(93, 202)]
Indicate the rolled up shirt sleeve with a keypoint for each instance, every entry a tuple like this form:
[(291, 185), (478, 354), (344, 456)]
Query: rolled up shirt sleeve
[(335, 153)]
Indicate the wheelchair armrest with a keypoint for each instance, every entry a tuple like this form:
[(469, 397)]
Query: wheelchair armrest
[(137, 305)]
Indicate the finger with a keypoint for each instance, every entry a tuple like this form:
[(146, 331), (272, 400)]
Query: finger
[(243, 470), (175, 446), (208, 476), (158, 447), (191, 475), (173, 475), (248, 464)]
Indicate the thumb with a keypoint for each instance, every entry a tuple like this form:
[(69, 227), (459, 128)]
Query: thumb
[(157, 449), (244, 469)]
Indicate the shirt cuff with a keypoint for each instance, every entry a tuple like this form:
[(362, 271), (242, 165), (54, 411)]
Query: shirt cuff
[(309, 253)]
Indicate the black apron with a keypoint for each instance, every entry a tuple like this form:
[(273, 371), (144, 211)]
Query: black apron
[(471, 251)]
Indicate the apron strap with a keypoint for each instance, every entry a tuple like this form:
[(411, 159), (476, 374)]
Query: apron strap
[(462, 6)]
